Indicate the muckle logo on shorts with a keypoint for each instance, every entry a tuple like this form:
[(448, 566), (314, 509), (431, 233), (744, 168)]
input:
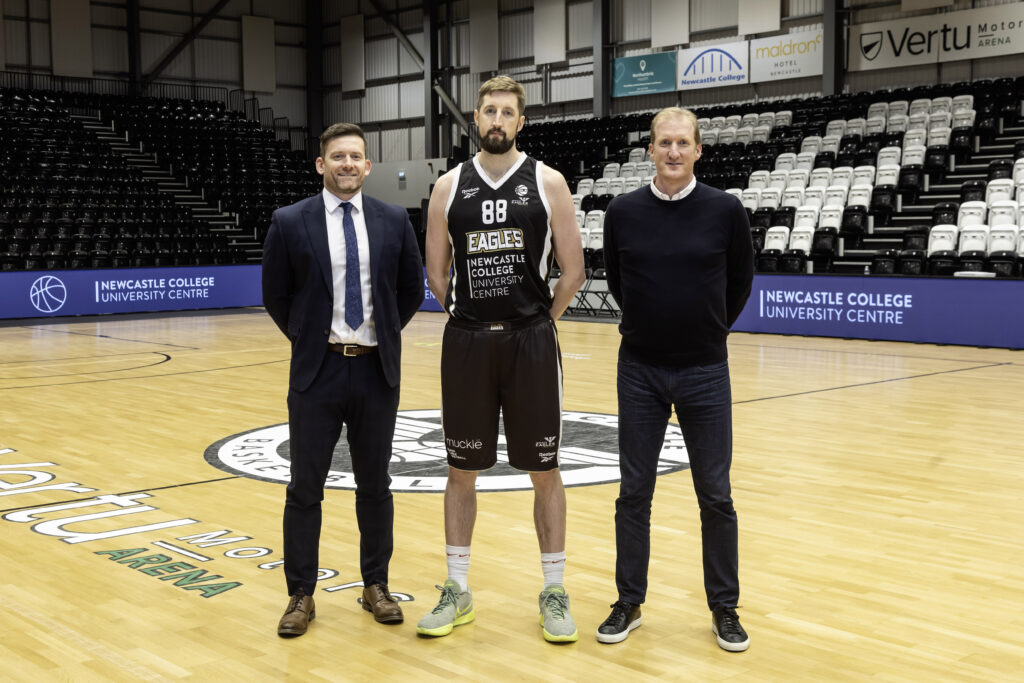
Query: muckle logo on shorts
[(587, 455)]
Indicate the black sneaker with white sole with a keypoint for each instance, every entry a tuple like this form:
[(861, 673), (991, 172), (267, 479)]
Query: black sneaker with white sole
[(624, 618), (726, 625)]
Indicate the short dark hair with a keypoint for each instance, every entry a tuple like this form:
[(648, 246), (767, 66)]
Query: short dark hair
[(338, 130)]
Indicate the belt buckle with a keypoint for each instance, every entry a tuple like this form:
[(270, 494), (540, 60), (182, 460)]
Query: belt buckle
[(345, 350)]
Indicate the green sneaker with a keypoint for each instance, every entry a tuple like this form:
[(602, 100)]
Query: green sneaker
[(554, 616), (455, 608)]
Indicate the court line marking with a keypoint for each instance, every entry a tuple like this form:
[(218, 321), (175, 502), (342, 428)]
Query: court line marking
[(70, 358), (181, 551), (107, 336), (866, 384), (166, 358), (122, 379)]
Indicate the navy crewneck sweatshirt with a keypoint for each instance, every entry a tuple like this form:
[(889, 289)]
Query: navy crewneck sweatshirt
[(681, 272)]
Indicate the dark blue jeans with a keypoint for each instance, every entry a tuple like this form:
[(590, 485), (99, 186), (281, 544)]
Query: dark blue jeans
[(702, 399)]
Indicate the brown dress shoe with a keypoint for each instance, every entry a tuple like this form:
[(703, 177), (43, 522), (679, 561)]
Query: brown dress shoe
[(297, 616), (378, 600)]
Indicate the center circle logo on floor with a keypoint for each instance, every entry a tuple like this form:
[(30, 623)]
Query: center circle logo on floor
[(588, 454)]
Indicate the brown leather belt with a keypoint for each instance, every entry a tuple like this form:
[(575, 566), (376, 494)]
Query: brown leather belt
[(352, 349)]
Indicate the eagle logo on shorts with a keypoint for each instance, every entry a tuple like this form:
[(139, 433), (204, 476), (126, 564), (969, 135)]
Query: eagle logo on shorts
[(587, 454)]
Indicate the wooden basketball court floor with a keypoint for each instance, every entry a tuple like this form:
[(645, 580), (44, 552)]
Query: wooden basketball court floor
[(878, 487)]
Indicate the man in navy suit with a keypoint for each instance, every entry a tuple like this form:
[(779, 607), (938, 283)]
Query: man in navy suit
[(342, 275)]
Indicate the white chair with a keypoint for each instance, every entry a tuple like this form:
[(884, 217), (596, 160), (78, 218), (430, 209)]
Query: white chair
[(1000, 189), (636, 155), (878, 109), (971, 213), (633, 183), (793, 196), (748, 120), (751, 198), (820, 177), (835, 195), (577, 200), (920, 105), (899, 107), (963, 118), (601, 185), (744, 135), (645, 168), (778, 178), (811, 143), (766, 118), (939, 119), (939, 136), (962, 103), (842, 175), (627, 170), (709, 137), (703, 123), (1018, 172), (915, 137), (1002, 213), (974, 238), (859, 195), (733, 121), (758, 179), (1003, 238), (735, 192), (887, 174), (771, 197), (855, 126), (806, 216), (776, 238), (830, 217), (897, 123), (585, 186), (718, 122), (830, 143), (594, 220), (942, 237), (727, 136), (914, 154), (785, 161), (888, 155), (647, 179), (864, 175), (874, 125), (611, 170), (595, 238), (581, 220), (836, 127), (761, 133), (814, 196), (801, 238), (918, 121), (783, 118), (616, 186), (805, 160), (798, 178), (942, 104)]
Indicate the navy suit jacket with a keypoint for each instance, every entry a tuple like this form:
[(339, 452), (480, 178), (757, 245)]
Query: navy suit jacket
[(298, 289)]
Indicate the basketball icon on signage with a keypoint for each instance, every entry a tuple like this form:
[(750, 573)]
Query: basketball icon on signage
[(48, 294)]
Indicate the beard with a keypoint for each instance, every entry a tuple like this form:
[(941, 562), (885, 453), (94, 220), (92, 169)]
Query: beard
[(496, 145)]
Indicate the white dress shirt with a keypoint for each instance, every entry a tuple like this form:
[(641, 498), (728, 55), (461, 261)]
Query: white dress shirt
[(678, 195), (341, 333)]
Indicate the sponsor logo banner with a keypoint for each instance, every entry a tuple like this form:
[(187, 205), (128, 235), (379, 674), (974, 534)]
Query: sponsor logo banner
[(586, 455), (794, 55), (946, 37), (644, 74), (974, 312), (33, 294), (713, 66)]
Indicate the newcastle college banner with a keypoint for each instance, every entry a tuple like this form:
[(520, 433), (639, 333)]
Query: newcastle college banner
[(946, 37)]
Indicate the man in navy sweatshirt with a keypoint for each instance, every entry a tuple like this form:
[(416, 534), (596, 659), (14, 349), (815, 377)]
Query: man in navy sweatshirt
[(680, 265)]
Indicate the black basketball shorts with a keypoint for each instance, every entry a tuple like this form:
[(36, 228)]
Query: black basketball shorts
[(514, 367)]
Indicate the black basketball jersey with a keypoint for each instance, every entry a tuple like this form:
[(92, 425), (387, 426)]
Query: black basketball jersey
[(501, 243)]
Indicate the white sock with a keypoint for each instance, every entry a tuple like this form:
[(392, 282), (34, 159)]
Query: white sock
[(458, 565), (553, 566)]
